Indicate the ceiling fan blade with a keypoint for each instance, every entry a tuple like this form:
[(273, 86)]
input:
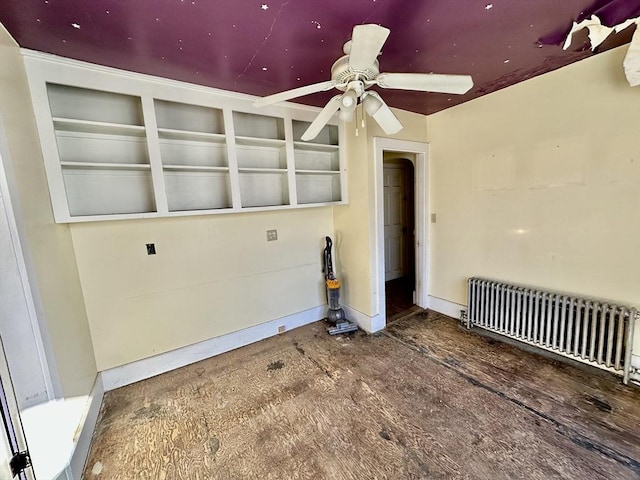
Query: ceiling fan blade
[(426, 82), (296, 92), (321, 120), (382, 114), (366, 42)]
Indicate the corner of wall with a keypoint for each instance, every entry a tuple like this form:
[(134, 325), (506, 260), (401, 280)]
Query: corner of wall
[(47, 246)]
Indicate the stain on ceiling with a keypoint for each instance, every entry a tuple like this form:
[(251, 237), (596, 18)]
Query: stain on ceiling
[(262, 47)]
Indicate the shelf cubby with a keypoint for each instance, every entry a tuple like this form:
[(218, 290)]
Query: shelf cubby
[(101, 148), (94, 190), (318, 187), (263, 189), (261, 157), (183, 117), (328, 161), (197, 190), (328, 136), (78, 104), (250, 125), (193, 153)]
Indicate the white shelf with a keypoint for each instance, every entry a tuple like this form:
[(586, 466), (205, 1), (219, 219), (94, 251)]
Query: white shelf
[(318, 172), (106, 166), (195, 168), (262, 170), (315, 147), (260, 142), (90, 126), (174, 134)]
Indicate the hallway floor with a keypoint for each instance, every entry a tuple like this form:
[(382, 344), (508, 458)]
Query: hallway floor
[(398, 297), (424, 399)]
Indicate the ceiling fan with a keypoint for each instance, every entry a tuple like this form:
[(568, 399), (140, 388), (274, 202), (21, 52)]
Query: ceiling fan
[(358, 70)]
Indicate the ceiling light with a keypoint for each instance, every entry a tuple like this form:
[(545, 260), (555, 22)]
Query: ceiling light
[(349, 101), (371, 104)]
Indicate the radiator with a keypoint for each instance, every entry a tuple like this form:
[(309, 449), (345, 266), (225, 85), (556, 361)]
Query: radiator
[(591, 331)]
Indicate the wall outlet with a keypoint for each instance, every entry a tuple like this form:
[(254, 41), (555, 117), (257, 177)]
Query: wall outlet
[(281, 329), (272, 235)]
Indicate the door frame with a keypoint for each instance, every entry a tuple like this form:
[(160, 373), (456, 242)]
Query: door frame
[(421, 209)]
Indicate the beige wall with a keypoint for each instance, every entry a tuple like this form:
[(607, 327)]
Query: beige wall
[(540, 184), (355, 223), (48, 246), (212, 274)]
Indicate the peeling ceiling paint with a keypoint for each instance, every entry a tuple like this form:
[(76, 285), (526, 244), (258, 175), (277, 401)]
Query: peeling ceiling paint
[(261, 47)]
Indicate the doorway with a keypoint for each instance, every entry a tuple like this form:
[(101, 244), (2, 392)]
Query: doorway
[(418, 154), (399, 232)]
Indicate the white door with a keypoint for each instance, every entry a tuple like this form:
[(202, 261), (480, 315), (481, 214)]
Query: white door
[(13, 446), (395, 221), (16, 328)]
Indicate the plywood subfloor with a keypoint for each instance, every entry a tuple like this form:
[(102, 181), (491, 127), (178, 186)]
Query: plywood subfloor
[(423, 400)]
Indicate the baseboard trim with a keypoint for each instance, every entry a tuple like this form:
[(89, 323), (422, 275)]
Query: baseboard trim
[(446, 307), (151, 366), (364, 321)]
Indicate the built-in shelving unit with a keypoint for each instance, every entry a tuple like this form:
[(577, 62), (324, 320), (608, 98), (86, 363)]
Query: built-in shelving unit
[(127, 146), (317, 165), (194, 156), (262, 160), (102, 148)]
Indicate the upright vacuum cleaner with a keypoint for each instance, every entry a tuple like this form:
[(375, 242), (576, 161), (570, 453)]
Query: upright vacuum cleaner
[(335, 315)]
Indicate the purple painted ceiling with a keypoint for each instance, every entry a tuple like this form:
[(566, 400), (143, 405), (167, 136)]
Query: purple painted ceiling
[(266, 46)]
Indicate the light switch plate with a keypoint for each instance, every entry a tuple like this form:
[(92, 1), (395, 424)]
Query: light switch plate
[(272, 235)]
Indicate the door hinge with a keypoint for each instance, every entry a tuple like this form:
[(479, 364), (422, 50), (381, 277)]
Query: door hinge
[(19, 462)]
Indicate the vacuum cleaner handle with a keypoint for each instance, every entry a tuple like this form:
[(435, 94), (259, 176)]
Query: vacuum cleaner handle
[(328, 262)]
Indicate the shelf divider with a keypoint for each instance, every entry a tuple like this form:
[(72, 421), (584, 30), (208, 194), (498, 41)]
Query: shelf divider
[(153, 144), (232, 158)]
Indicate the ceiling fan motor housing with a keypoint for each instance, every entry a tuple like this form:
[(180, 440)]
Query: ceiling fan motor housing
[(342, 73)]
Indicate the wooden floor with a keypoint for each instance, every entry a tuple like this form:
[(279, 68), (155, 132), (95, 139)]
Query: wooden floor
[(423, 400)]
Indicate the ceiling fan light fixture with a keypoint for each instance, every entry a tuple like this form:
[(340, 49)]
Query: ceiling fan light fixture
[(371, 104), (349, 101), (346, 115)]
